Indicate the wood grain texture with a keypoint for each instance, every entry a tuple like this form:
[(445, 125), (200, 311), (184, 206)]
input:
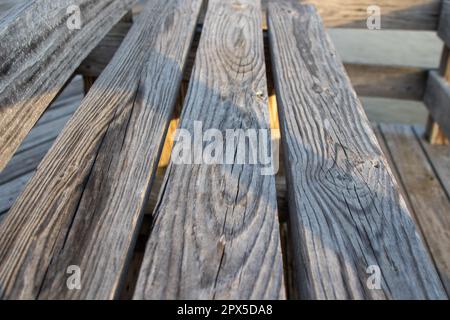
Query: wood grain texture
[(437, 100), (428, 199), (346, 210), (39, 53), (83, 206), (216, 230)]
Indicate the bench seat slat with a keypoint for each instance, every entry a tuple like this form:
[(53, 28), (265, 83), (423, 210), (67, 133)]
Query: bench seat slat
[(428, 198), (84, 205), (216, 231), (39, 53), (347, 213)]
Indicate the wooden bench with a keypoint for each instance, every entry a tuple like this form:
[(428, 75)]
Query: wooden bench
[(215, 231)]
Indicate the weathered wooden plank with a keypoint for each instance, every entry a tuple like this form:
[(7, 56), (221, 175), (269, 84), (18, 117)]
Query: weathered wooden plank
[(439, 157), (346, 209), (388, 81), (444, 23), (398, 14), (437, 100), (39, 53), (216, 233), (427, 197), (83, 206)]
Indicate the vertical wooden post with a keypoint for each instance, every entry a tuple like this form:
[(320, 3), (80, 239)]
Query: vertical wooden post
[(434, 133)]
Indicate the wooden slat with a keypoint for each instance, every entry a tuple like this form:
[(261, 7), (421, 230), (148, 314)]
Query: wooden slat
[(427, 197), (39, 53), (216, 233), (397, 14), (83, 206), (346, 209), (437, 100), (388, 81)]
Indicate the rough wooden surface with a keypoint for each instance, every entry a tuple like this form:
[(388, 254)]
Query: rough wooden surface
[(428, 198), (39, 53), (437, 100), (83, 206), (346, 210), (216, 231)]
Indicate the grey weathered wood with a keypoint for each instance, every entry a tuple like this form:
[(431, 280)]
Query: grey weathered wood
[(346, 210), (444, 23), (437, 100), (83, 206), (216, 230), (388, 81), (7, 5), (428, 199), (439, 156), (39, 53)]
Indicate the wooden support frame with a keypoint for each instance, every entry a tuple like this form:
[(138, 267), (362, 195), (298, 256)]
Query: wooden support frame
[(438, 129), (437, 100)]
